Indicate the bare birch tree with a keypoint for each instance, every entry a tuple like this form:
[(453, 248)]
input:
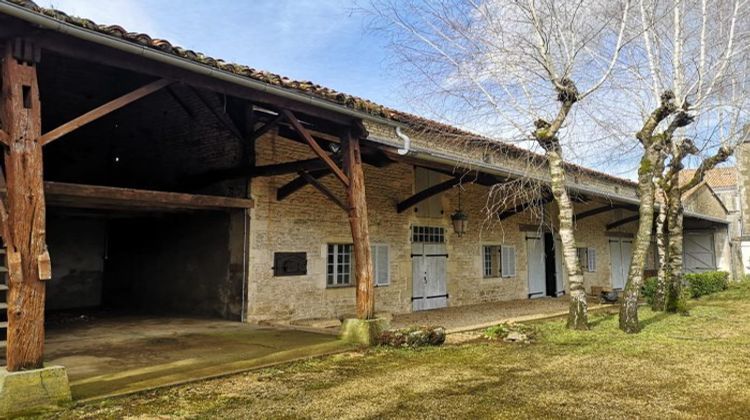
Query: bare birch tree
[(687, 78), (516, 71)]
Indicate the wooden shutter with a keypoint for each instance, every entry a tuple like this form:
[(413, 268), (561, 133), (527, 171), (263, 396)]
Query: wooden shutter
[(380, 263), (591, 260), (508, 255)]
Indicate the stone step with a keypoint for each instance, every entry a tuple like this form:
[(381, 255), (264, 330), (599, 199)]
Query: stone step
[(3, 287), (3, 306), (3, 344), (4, 325)]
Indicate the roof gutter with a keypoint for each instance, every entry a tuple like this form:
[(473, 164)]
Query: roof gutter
[(447, 159), (65, 28)]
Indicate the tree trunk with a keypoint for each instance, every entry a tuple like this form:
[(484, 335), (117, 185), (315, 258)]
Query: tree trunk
[(21, 119), (674, 263), (629, 307), (360, 231), (578, 313), (662, 250)]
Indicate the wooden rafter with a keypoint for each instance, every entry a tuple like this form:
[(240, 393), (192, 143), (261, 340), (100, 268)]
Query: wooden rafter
[(545, 199), (621, 222), (316, 147), (4, 138), (103, 110), (223, 118), (599, 210), (323, 189), (298, 183), (190, 113), (267, 127), (427, 193), (288, 167)]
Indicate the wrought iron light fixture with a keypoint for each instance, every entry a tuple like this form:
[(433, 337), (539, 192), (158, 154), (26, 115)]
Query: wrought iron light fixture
[(459, 218)]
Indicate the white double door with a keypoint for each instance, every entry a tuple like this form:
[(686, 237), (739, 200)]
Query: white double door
[(537, 267), (429, 288), (620, 255)]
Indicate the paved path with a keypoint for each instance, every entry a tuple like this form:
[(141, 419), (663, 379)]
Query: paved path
[(472, 317)]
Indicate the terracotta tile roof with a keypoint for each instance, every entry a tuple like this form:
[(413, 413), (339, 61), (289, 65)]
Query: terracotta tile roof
[(723, 177), (307, 87)]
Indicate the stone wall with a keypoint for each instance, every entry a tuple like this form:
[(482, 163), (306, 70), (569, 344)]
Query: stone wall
[(307, 221), (742, 156)]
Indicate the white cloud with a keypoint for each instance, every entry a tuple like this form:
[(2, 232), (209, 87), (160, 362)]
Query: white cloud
[(133, 15)]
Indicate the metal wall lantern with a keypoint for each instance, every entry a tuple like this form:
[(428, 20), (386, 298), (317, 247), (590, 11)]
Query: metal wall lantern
[(459, 218)]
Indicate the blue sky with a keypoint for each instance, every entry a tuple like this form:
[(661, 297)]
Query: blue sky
[(324, 41)]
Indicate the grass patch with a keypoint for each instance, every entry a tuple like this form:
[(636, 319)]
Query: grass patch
[(677, 367)]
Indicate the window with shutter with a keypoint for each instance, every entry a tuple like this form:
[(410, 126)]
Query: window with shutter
[(491, 261), (591, 260), (380, 265), (508, 261)]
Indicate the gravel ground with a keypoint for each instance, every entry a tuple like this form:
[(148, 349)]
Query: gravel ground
[(468, 315)]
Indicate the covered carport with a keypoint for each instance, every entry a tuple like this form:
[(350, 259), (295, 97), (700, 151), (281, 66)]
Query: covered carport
[(125, 204)]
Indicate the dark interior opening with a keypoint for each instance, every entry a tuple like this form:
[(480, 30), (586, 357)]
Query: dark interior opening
[(113, 260), (176, 264)]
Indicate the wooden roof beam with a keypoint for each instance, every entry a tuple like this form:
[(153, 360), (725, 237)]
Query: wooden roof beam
[(223, 118), (289, 116), (599, 210), (103, 110), (94, 196), (323, 189), (427, 193), (624, 221), (298, 183)]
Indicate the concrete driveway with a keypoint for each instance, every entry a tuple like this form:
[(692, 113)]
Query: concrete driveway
[(128, 354)]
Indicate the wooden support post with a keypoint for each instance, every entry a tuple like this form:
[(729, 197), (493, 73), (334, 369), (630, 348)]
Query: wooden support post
[(26, 247), (359, 225)]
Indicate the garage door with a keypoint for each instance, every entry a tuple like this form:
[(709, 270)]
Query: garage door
[(699, 253)]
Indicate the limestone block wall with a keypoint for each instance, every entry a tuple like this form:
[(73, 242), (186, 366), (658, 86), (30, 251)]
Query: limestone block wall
[(742, 155), (307, 221)]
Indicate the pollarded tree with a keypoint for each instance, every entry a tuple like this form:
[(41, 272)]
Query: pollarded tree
[(687, 79), (514, 70)]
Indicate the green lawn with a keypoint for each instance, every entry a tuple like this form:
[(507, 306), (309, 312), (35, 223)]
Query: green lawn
[(695, 366)]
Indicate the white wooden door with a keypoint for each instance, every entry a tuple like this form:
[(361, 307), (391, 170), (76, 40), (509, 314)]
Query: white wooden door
[(560, 274), (620, 255), (627, 258), (698, 252), (536, 270), (429, 280)]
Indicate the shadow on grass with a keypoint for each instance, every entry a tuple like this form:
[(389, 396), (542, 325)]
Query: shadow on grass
[(656, 319), (601, 318)]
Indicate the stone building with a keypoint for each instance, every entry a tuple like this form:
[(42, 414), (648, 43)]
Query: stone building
[(729, 184), (206, 188)]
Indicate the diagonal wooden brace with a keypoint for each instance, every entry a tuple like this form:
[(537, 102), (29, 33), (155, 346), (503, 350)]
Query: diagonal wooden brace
[(316, 147), (103, 110)]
